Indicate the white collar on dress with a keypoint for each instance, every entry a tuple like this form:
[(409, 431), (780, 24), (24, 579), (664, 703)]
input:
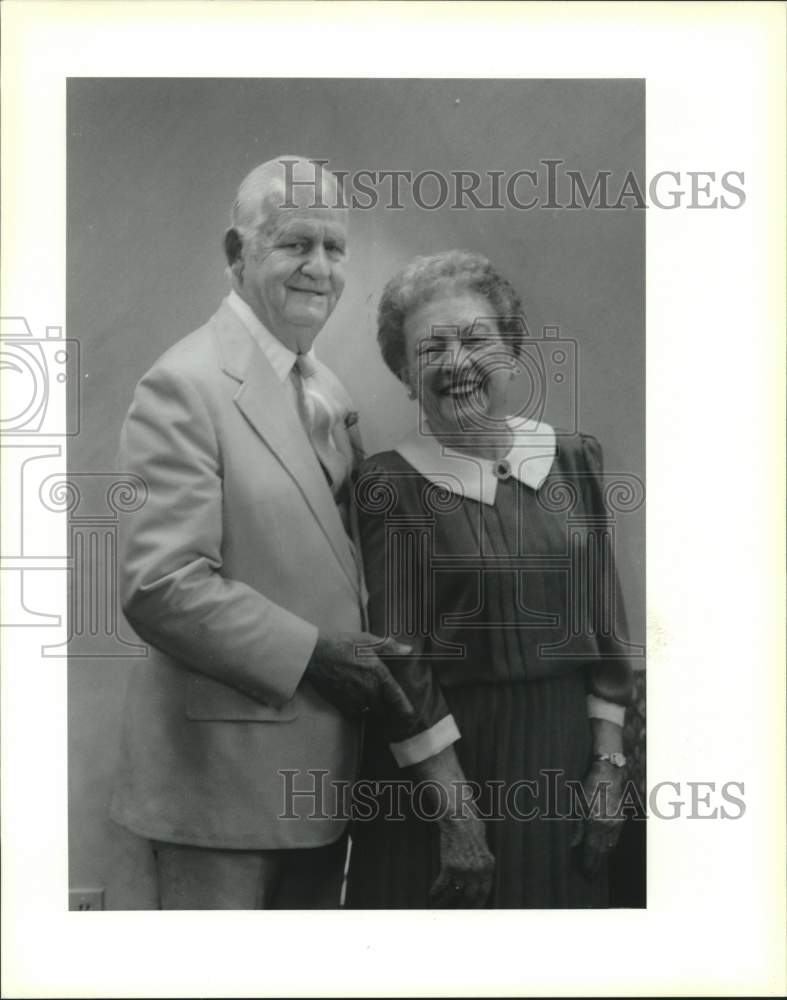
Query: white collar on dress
[(281, 358), (530, 460)]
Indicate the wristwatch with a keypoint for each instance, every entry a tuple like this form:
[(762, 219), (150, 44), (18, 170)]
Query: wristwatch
[(616, 759)]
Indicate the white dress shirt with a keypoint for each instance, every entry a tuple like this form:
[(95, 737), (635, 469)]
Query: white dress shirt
[(282, 359)]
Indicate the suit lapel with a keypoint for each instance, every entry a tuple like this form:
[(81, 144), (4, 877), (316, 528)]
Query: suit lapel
[(262, 400)]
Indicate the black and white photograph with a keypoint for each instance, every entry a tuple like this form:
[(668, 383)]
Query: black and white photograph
[(370, 561), (369, 487)]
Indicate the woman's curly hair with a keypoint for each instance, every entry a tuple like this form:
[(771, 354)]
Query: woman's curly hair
[(427, 276)]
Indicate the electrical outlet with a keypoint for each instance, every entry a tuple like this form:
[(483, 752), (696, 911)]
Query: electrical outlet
[(86, 899)]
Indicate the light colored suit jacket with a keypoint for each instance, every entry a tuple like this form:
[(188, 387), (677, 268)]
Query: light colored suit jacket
[(228, 570)]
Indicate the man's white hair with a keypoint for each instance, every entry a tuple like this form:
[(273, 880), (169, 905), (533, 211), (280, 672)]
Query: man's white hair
[(264, 190)]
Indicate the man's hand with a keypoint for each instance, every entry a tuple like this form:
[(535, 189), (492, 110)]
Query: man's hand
[(466, 865), (599, 833), (348, 672)]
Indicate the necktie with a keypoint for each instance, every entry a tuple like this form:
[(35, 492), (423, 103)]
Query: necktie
[(316, 418)]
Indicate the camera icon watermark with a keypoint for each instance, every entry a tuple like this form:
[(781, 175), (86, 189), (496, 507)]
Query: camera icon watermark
[(549, 365), (41, 401), (472, 382), (41, 381)]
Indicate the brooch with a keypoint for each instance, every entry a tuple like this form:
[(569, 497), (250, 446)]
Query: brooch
[(502, 469)]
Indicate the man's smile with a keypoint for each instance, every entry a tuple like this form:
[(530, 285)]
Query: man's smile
[(307, 291)]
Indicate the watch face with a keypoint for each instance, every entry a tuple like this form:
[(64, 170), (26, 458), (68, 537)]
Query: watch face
[(618, 759)]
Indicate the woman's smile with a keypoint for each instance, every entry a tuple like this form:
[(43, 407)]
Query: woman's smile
[(455, 363), (460, 385)]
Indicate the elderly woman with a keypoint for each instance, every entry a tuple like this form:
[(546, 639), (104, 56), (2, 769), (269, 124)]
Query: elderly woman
[(505, 593)]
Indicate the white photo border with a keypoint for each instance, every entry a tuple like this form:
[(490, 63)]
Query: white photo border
[(715, 405)]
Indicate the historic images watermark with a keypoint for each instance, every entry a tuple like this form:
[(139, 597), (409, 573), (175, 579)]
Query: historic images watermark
[(309, 794), (553, 186)]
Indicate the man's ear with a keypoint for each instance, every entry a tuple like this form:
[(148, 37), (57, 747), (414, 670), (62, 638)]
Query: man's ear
[(233, 247)]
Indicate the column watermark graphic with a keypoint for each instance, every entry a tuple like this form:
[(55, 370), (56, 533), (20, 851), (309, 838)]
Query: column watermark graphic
[(41, 411)]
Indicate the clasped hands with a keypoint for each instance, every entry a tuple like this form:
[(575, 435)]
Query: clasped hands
[(347, 671)]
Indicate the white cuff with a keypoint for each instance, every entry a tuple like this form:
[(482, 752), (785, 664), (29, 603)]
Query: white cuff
[(426, 744), (598, 708)]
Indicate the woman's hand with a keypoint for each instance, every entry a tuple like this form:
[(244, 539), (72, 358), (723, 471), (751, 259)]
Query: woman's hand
[(600, 831), (466, 865)]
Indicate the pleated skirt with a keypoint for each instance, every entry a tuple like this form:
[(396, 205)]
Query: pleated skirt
[(523, 744)]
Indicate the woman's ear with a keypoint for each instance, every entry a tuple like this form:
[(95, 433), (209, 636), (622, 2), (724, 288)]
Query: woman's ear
[(406, 378), (233, 249)]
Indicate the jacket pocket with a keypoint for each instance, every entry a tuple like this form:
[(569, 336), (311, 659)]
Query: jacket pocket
[(210, 701)]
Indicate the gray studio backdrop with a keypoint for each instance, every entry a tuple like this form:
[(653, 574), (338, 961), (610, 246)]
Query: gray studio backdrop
[(153, 166)]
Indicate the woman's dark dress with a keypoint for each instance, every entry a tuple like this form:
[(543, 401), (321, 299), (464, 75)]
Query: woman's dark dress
[(511, 628)]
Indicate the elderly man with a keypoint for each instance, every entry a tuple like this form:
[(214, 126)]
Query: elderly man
[(240, 574)]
